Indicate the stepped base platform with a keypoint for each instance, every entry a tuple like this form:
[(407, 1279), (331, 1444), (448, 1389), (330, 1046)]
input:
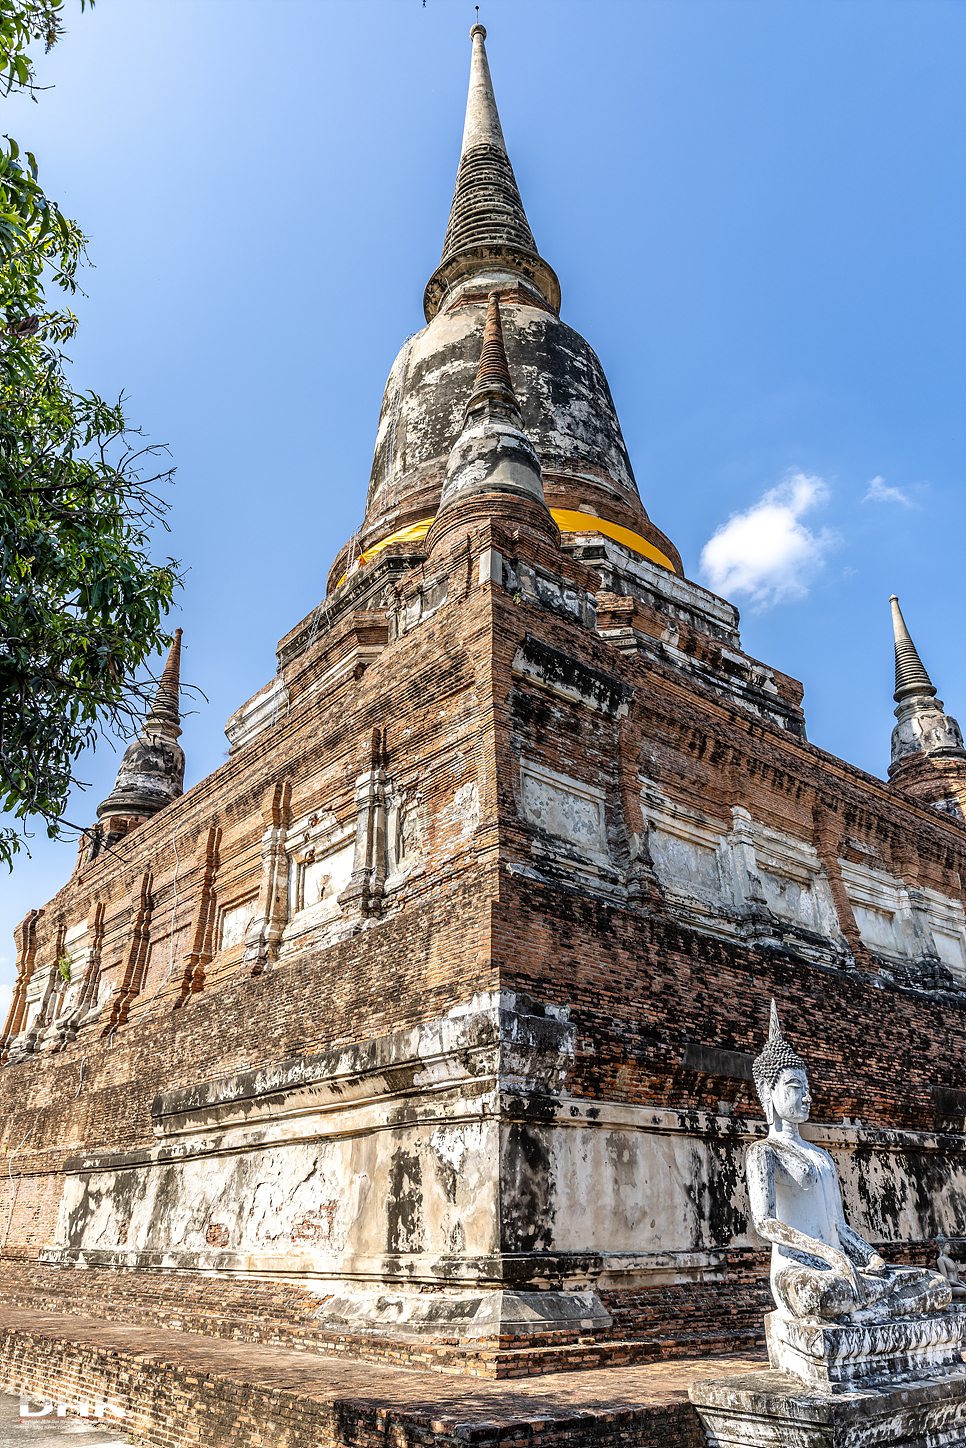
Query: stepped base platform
[(177, 1389), (654, 1326)]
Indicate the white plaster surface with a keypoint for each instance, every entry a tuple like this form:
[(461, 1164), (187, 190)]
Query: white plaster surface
[(381, 1163), (235, 921), (565, 807), (259, 713), (897, 922)]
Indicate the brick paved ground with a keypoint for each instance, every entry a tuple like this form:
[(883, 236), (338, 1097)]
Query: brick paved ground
[(179, 1389)]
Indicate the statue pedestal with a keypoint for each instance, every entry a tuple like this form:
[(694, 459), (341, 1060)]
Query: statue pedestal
[(897, 1384), (833, 1357)]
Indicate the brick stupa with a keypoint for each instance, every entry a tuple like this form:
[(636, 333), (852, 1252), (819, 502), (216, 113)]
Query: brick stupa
[(437, 1002)]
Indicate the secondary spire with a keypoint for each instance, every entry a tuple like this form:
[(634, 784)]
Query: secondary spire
[(493, 453), (928, 754), (152, 770), (493, 374), (911, 676)]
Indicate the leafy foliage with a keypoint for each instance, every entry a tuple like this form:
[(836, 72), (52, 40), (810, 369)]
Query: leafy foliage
[(21, 23), (81, 602)]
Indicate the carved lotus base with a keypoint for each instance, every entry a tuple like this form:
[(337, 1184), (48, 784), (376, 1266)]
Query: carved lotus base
[(832, 1357), (775, 1410), (897, 1384)]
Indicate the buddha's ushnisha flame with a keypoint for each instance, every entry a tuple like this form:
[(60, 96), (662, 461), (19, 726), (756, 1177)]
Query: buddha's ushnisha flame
[(777, 1057)]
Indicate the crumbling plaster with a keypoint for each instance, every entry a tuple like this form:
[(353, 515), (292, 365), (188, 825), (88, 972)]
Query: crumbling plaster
[(452, 1154), (566, 404)]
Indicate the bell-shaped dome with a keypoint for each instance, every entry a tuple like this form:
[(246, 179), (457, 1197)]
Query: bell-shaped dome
[(564, 401)]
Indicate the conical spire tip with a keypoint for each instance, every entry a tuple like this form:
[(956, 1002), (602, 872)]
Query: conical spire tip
[(165, 710), (482, 125), (911, 676), (494, 368), (487, 222)]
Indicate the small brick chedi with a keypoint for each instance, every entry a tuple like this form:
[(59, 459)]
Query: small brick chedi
[(439, 998)]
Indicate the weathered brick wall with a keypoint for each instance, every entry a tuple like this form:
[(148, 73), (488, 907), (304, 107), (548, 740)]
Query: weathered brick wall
[(425, 698), (649, 1325), (641, 988), (639, 985), (702, 752), (410, 969)]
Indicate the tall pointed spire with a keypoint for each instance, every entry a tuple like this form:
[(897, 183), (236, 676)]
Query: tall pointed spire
[(152, 770), (493, 453), (928, 755), (165, 711), (488, 226), (487, 209), (911, 676)]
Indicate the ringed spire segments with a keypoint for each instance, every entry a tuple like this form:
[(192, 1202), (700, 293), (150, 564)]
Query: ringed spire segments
[(911, 676)]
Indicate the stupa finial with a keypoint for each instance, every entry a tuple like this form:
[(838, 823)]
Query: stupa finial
[(482, 125), (488, 228), (911, 676), (165, 711)]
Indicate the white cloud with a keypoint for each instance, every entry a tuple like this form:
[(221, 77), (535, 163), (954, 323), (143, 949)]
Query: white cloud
[(767, 552), (879, 493)]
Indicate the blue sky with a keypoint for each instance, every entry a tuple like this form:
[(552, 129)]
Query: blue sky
[(756, 211)]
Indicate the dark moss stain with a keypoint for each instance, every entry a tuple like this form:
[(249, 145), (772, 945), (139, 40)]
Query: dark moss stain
[(526, 1189), (555, 667), (448, 1178), (724, 1220), (405, 1202), (124, 1191)]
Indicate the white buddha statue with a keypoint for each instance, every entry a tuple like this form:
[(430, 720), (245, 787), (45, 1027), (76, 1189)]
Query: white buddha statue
[(820, 1267), (947, 1267)]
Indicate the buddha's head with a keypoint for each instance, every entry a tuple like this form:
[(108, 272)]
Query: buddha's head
[(780, 1078)]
